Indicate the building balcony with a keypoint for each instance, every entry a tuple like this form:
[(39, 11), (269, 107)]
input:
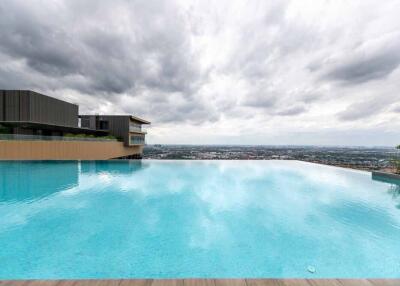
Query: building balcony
[(137, 129)]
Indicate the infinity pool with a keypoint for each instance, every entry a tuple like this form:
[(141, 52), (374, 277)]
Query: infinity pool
[(164, 219)]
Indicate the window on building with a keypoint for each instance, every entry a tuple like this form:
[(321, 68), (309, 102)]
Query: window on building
[(137, 139), (103, 125), (134, 126)]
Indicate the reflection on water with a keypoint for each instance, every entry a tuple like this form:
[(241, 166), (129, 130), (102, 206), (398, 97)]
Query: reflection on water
[(394, 188), (395, 191), (111, 167), (31, 180), (165, 219), (20, 181)]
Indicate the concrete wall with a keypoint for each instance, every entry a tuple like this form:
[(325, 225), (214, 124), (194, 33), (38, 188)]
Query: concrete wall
[(65, 150)]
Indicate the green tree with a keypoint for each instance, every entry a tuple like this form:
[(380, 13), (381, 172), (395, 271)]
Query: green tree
[(396, 162)]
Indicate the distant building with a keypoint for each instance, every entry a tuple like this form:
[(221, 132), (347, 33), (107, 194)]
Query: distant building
[(36, 126)]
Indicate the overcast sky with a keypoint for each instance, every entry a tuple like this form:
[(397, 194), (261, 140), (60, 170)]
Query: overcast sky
[(219, 72)]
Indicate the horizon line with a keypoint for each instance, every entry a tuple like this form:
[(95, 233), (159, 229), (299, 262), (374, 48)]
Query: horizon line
[(277, 145)]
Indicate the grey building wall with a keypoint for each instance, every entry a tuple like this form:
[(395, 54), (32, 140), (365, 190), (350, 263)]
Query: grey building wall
[(88, 121), (30, 106), (118, 126)]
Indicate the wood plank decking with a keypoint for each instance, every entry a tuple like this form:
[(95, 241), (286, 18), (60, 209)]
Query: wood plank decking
[(207, 282)]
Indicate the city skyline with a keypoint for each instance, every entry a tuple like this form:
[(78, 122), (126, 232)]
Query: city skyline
[(223, 72)]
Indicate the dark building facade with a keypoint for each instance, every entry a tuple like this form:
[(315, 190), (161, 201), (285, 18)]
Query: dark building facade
[(29, 112), (25, 112), (126, 127)]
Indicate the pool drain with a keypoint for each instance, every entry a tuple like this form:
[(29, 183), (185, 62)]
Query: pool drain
[(311, 269)]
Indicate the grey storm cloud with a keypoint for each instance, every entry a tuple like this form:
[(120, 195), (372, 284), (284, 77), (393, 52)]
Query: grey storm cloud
[(291, 111), (202, 64), (111, 58), (366, 108), (396, 109), (359, 111), (262, 99), (366, 66)]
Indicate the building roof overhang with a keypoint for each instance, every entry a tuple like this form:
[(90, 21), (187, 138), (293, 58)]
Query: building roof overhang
[(139, 120), (131, 117)]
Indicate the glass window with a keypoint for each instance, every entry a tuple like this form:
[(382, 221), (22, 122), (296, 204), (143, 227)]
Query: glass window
[(133, 126), (103, 125), (137, 139)]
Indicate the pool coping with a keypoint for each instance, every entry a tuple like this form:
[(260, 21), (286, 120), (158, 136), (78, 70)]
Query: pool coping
[(205, 282)]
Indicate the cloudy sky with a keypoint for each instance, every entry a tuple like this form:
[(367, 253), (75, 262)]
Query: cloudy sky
[(216, 72)]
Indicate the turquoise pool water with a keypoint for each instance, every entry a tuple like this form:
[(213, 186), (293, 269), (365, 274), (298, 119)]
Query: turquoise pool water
[(163, 219)]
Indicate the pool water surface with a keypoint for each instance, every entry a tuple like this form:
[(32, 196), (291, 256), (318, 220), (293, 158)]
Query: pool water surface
[(198, 219)]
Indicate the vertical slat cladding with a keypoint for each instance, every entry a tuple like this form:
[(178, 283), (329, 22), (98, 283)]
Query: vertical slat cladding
[(2, 105), (34, 107), (21, 107), (85, 121), (49, 110), (126, 131), (31, 106), (7, 106), (24, 105), (92, 122), (11, 105), (119, 126)]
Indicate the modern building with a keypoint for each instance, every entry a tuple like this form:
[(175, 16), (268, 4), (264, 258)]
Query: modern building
[(126, 127), (36, 126)]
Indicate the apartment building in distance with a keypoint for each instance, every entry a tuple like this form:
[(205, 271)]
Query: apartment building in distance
[(34, 126)]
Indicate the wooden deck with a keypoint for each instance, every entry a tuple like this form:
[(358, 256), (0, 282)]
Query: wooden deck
[(207, 282)]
